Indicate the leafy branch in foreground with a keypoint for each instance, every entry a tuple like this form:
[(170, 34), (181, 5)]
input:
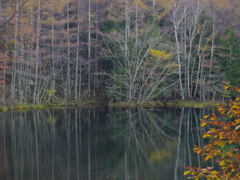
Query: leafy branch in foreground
[(223, 146)]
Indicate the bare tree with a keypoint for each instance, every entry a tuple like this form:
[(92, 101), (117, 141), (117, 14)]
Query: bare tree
[(178, 16), (143, 72), (35, 93)]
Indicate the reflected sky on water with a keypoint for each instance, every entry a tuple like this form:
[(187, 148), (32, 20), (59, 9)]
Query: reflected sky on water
[(99, 144)]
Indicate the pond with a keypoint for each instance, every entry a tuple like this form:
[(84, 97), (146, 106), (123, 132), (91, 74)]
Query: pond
[(99, 144)]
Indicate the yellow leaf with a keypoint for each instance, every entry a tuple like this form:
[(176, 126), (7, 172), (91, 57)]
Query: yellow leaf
[(45, 13), (186, 172), (160, 54), (203, 124), (206, 116), (206, 135), (139, 2), (222, 163)]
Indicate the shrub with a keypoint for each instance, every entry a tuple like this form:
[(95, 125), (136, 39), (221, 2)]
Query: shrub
[(223, 146)]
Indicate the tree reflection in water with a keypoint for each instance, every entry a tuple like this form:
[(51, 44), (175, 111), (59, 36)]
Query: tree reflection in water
[(119, 143)]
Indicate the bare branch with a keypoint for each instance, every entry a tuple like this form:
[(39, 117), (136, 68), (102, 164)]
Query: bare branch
[(13, 14)]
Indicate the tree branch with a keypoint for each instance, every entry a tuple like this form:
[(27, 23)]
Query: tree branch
[(13, 14)]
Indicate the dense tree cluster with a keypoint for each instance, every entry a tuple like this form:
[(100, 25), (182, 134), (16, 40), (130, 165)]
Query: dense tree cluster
[(132, 50)]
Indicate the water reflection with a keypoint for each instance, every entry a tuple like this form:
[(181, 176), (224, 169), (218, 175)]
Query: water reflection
[(99, 144)]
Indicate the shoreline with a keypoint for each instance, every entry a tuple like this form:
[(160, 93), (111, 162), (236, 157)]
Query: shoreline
[(92, 104)]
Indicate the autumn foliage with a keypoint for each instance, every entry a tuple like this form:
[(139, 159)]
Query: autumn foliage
[(223, 146)]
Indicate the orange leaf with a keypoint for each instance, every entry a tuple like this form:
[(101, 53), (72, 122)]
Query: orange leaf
[(197, 150), (226, 87), (208, 157)]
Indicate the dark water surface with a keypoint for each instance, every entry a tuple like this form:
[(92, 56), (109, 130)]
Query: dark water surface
[(100, 144)]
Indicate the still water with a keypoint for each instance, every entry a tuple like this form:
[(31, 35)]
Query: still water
[(99, 144)]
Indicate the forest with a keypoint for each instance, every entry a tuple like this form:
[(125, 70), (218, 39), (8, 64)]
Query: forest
[(121, 50)]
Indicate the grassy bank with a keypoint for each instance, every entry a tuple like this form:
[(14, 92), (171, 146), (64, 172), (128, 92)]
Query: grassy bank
[(97, 103), (191, 103), (135, 104), (56, 104), (172, 103)]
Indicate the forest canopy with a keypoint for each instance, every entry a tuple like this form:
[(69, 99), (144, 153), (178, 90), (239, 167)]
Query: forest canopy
[(129, 50)]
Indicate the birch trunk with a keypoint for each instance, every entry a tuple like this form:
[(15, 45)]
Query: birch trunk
[(35, 94), (89, 49), (68, 81)]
